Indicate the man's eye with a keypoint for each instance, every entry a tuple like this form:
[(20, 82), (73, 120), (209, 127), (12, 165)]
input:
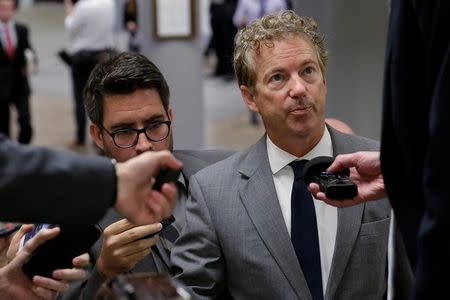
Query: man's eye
[(309, 70), (276, 77), (124, 131), (154, 125)]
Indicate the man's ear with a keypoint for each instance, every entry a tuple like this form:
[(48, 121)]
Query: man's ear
[(96, 135), (170, 113), (249, 98)]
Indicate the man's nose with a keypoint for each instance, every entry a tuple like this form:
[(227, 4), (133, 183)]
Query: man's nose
[(297, 87), (143, 143)]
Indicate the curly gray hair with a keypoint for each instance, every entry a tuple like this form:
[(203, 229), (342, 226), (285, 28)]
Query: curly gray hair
[(265, 30)]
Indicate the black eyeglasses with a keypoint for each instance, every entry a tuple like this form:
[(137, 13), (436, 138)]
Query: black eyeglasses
[(127, 138)]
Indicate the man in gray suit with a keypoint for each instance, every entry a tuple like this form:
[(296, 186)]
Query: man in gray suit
[(127, 100), (240, 239)]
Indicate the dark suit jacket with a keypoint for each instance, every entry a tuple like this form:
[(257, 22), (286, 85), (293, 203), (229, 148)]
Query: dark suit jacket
[(158, 261), (13, 72), (415, 143), (39, 185)]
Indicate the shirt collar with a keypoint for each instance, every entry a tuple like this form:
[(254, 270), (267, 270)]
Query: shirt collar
[(10, 24), (181, 180), (278, 158)]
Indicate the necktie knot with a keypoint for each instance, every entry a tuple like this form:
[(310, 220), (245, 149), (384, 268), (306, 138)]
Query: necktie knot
[(297, 167)]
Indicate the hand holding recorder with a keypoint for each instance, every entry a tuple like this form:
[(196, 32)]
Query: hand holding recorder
[(365, 172)]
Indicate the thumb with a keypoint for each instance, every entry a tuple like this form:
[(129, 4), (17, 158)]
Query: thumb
[(31, 245)]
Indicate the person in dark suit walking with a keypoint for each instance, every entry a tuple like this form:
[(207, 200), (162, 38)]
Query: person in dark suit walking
[(415, 144), (223, 32), (14, 85)]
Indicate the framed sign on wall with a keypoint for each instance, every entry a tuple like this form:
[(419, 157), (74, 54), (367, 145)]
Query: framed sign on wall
[(174, 19)]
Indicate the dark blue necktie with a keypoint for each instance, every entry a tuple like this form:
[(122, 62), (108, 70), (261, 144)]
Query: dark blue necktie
[(304, 234)]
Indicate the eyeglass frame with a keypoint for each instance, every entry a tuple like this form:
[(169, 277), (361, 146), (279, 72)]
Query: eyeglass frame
[(138, 131)]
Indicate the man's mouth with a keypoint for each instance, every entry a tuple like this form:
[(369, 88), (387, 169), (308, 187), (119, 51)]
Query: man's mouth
[(301, 109)]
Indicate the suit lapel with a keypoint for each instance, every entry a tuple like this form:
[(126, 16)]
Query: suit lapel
[(258, 196), (349, 223), (191, 164), (2, 50)]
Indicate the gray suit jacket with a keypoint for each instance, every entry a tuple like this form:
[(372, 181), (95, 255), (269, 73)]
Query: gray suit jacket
[(235, 240), (158, 261)]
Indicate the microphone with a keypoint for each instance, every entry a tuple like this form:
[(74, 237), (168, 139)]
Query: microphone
[(336, 186)]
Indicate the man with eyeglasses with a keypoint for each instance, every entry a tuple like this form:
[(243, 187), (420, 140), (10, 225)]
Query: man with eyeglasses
[(127, 101)]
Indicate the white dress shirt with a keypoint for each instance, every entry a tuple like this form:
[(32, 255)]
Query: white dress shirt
[(248, 11), (283, 178), (91, 25)]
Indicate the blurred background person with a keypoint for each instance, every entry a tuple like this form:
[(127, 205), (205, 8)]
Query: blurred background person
[(130, 20), (339, 125), (223, 32), (14, 85), (248, 11), (90, 26)]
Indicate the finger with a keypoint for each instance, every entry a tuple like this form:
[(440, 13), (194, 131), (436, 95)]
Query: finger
[(81, 261), (166, 198), (136, 247), (134, 258), (170, 191), (31, 245), (15, 241), (314, 189), (3, 243), (118, 227), (139, 232), (44, 293), (343, 161), (41, 237), (69, 274), (341, 203), (25, 228), (166, 159), (154, 206), (50, 283)]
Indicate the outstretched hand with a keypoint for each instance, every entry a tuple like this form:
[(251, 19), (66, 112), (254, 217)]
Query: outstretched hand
[(365, 172), (136, 200)]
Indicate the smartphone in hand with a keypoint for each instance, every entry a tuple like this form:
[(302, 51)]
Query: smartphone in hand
[(58, 252), (165, 223)]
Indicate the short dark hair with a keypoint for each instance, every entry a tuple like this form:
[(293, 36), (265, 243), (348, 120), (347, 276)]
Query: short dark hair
[(122, 74)]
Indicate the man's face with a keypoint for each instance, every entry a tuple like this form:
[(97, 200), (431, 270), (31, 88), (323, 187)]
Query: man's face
[(6, 10), (290, 91), (135, 110)]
